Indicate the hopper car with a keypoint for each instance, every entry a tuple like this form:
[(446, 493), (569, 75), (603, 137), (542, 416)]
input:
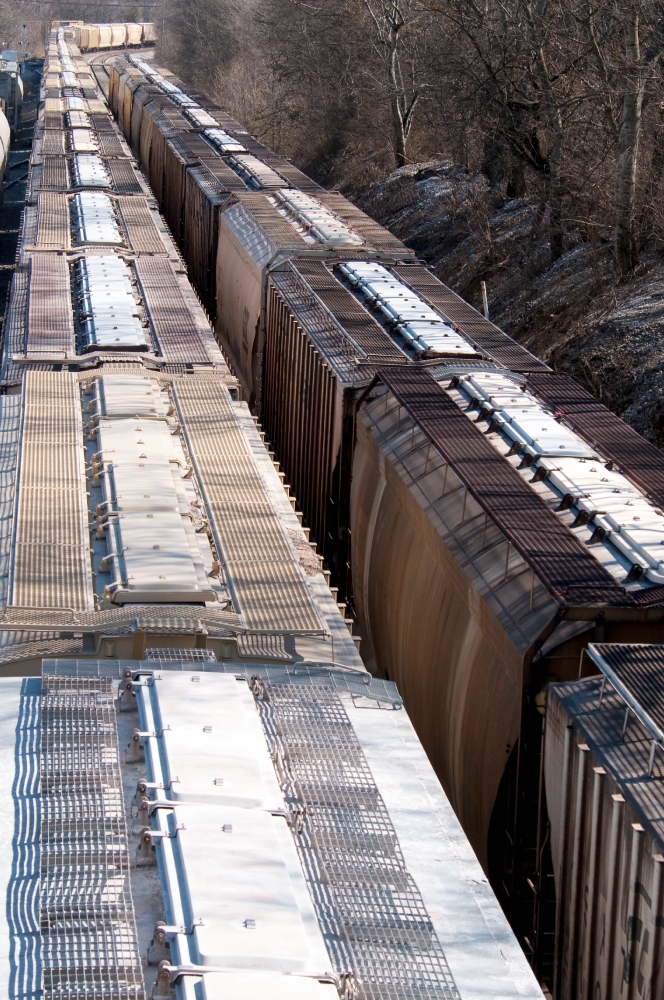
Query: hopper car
[(477, 575), (206, 793)]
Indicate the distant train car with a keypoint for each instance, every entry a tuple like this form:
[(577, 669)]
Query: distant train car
[(132, 34)]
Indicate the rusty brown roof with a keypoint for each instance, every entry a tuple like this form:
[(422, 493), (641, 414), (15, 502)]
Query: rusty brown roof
[(560, 560), (638, 459)]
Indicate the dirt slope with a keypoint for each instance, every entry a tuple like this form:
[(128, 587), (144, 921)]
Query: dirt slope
[(572, 313)]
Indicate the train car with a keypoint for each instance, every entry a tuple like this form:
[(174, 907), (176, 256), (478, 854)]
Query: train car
[(205, 792), (524, 517), (472, 587), (322, 223), (101, 316), (131, 34), (603, 772)]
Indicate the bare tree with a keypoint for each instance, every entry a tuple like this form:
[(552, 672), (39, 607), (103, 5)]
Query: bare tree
[(396, 25)]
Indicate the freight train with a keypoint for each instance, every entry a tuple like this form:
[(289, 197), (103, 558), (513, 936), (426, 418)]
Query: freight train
[(273, 827), (484, 517)]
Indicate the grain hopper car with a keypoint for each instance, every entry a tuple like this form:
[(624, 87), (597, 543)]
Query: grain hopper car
[(430, 455), (205, 793)]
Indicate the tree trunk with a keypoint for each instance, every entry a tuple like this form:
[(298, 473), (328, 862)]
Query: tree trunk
[(555, 123), (628, 146), (398, 123), (399, 134)]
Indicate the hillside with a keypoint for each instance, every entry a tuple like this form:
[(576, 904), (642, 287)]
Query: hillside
[(573, 313)]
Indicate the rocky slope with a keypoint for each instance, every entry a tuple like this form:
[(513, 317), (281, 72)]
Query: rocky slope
[(572, 313)]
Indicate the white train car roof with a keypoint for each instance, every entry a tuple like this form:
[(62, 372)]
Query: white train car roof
[(285, 836)]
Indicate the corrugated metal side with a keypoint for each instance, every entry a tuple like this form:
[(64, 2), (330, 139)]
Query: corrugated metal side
[(124, 115), (299, 410), (608, 842), (640, 460), (204, 198), (489, 338), (145, 93), (53, 229), (176, 161), (175, 331), (146, 131), (161, 132), (554, 552), (10, 420), (51, 565), (358, 322), (330, 338), (115, 68), (15, 326), (142, 232), (50, 317)]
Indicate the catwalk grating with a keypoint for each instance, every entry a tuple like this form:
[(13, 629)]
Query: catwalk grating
[(88, 931), (50, 318), (174, 328), (489, 338), (123, 176), (267, 581), (638, 459), (53, 229), (142, 232), (636, 671), (359, 324), (51, 564), (370, 910), (54, 173), (555, 554)]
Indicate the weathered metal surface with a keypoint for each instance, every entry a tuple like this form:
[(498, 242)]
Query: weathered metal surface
[(607, 840), (173, 325), (50, 318), (301, 412), (51, 562), (640, 460), (204, 198), (488, 337)]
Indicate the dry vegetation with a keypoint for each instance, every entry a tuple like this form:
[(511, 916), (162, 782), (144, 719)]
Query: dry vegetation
[(528, 142), (519, 142)]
